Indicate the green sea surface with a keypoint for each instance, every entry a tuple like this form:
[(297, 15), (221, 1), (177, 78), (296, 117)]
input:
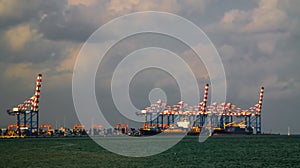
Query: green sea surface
[(223, 151)]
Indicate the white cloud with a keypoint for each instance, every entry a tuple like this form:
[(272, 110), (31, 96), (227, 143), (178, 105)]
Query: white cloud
[(280, 89), (18, 36), (266, 47), (17, 10), (227, 52), (233, 17), (67, 64), (81, 2), (291, 6), (266, 17), (118, 7), (194, 6), (56, 75), (10, 8)]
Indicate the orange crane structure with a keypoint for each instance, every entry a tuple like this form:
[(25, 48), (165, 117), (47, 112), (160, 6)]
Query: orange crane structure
[(96, 129), (218, 118), (46, 129), (27, 113), (122, 128), (79, 129)]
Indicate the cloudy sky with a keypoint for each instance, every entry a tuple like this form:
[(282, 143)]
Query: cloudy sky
[(258, 42)]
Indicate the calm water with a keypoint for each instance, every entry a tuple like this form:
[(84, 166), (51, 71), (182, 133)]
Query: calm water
[(238, 151)]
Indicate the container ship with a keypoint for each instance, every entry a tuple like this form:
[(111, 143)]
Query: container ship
[(180, 127), (233, 129)]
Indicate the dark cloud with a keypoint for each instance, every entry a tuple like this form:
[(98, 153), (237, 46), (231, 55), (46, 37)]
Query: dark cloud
[(74, 23)]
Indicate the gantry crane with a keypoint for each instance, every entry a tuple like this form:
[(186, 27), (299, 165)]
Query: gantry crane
[(214, 118), (27, 113)]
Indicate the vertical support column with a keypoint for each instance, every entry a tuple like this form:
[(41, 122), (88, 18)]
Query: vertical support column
[(24, 119), (202, 116), (173, 119), (146, 119), (200, 120), (249, 119), (30, 122), (168, 120), (221, 123), (259, 123), (256, 124), (224, 120), (162, 121), (194, 117), (37, 124), (157, 118), (228, 113), (18, 124), (151, 120)]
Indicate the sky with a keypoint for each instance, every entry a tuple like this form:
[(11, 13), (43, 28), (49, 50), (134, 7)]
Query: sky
[(258, 42)]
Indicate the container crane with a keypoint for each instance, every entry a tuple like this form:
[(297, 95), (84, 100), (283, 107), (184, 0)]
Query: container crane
[(27, 113)]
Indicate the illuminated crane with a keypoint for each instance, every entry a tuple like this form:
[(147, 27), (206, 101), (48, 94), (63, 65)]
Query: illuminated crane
[(28, 112)]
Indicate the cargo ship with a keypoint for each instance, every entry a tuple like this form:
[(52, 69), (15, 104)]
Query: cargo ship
[(180, 127), (232, 128), (148, 131)]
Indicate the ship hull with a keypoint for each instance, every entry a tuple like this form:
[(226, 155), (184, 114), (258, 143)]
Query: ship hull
[(149, 131), (153, 131), (227, 131)]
